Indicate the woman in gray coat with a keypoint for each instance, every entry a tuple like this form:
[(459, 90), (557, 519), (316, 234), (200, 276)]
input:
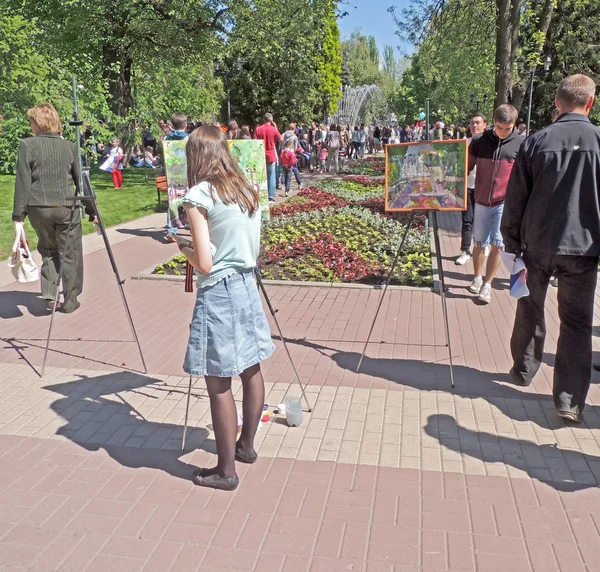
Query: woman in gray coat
[(47, 175)]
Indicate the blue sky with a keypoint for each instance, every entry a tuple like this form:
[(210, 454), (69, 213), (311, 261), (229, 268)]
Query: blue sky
[(372, 18)]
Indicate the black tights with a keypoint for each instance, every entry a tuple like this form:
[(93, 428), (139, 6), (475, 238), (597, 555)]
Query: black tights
[(224, 415)]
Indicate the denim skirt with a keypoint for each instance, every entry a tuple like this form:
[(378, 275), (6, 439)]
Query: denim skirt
[(229, 330)]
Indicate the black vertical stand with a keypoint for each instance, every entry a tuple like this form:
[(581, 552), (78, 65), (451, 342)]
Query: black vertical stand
[(442, 289), (85, 194)]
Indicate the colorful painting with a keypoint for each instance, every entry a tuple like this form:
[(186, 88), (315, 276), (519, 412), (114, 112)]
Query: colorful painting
[(429, 175), (177, 185), (250, 155)]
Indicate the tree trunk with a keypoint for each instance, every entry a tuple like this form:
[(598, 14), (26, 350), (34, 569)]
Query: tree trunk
[(520, 89), (503, 51)]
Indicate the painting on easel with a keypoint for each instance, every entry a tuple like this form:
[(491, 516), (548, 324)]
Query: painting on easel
[(429, 175)]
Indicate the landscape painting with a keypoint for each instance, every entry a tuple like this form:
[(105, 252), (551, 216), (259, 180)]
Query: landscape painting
[(429, 175), (250, 156), (177, 185)]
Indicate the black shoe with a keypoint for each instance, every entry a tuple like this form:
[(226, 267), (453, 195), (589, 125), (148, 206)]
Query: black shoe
[(596, 366), (214, 480), (244, 457), (569, 415), (518, 379)]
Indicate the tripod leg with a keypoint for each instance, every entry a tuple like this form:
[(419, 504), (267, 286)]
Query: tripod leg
[(387, 283), (271, 309), (187, 411), (438, 254), (58, 283), (92, 196)]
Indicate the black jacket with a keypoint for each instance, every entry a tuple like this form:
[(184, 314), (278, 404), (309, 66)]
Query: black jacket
[(552, 202)]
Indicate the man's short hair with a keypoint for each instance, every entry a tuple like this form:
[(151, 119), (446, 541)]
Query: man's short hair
[(575, 90), (268, 117), (481, 115), (505, 113), (179, 121)]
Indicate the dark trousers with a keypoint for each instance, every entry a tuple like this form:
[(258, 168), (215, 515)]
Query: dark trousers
[(468, 216), (50, 225), (287, 177), (576, 289)]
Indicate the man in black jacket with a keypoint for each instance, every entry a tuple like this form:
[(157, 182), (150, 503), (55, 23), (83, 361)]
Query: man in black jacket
[(552, 217)]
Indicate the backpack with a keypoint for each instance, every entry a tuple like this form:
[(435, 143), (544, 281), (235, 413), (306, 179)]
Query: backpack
[(288, 158)]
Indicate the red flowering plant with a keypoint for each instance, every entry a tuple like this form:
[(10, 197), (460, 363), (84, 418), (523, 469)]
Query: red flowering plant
[(367, 181), (345, 264), (314, 199)]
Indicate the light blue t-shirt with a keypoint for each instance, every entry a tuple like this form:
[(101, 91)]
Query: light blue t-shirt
[(234, 235)]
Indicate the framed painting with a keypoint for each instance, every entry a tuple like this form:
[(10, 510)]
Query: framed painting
[(428, 175), (250, 156)]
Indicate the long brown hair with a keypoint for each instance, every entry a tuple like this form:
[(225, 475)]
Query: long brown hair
[(209, 159)]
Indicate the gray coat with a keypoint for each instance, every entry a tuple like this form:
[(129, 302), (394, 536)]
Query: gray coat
[(47, 173)]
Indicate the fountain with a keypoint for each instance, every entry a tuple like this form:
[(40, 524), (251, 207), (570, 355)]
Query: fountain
[(351, 103)]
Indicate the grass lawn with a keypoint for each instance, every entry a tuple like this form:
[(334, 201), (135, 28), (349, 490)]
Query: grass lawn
[(136, 199)]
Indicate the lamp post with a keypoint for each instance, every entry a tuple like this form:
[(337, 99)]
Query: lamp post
[(533, 69), (226, 72)]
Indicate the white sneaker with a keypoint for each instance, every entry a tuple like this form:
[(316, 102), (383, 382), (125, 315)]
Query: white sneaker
[(554, 281), (485, 295), (463, 258), (476, 285)]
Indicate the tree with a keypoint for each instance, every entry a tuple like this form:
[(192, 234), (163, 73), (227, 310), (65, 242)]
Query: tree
[(28, 77), (329, 61), (520, 30)]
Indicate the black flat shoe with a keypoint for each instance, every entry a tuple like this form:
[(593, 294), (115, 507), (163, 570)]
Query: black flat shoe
[(244, 457), (207, 478)]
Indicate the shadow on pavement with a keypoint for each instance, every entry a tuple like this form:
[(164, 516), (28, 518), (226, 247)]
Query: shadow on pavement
[(506, 450), (471, 382), (95, 422), (12, 301)]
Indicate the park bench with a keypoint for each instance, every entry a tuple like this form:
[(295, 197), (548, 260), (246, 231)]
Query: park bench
[(160, 179)]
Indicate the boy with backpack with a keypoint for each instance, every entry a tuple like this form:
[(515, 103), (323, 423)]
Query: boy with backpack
[(288, 162)]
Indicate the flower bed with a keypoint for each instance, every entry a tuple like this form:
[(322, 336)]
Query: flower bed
[(371, 166), (338, 231)]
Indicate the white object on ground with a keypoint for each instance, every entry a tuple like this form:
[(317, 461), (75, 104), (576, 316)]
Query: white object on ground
[(293, 411)]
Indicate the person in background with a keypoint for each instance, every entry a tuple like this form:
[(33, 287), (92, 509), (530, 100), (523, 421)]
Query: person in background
[(552, 219), (288, 162), (114, 163), (229, 333), (245, 132), (522, 129), (178, 133), (150, 159), (332, 142), (493, 153), (234, 131), (47, 177), (477, 126), (269, 133)]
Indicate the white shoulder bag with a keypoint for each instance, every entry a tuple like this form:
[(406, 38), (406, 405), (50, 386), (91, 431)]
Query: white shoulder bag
[(21, 264)]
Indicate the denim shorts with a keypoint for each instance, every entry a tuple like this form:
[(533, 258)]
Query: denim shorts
[(486, 225), (229, 331)]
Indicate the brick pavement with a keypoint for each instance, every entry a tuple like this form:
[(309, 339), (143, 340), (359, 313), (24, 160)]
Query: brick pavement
[(391, 471)]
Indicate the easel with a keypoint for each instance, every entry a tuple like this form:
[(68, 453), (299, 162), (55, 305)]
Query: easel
[(438, 254), (85, 194)]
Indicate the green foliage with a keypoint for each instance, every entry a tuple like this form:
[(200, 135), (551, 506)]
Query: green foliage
[(329, 62), (455, 61)]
